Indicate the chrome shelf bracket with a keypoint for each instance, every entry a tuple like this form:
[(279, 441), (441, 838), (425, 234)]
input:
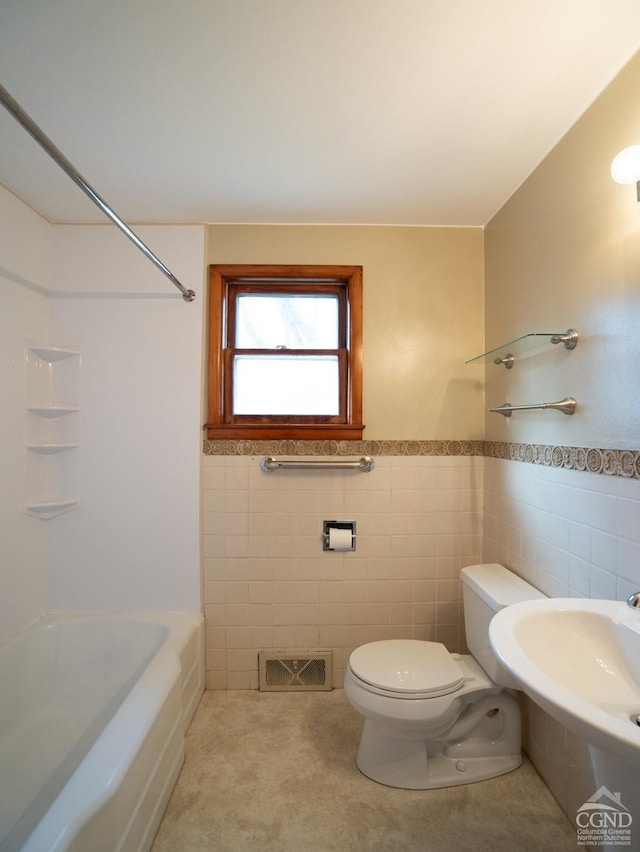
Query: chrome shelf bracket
[(508, 361), (569, 338)]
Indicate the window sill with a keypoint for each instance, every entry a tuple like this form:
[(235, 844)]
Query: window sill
[(313, 432)]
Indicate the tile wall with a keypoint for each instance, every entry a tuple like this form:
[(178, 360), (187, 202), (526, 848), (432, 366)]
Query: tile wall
[(568, 532), (571, 533), (269, 584)]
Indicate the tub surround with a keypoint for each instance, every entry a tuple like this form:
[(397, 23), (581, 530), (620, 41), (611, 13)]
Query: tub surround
[(136, 469)]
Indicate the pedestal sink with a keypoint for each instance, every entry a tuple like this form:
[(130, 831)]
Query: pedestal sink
[(579, 659)]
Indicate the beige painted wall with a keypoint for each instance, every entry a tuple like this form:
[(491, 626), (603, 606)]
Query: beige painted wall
[(423, 316), (565, 251)]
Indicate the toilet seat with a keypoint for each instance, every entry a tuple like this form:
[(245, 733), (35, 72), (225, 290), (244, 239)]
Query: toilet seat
[(407, 668)]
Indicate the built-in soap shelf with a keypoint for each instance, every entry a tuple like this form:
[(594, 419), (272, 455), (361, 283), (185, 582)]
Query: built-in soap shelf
[(526, 344), (52, 430), (50, 508), (51, 411), (51, 354), (50, 449)]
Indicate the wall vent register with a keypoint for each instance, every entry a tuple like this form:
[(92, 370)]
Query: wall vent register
[(291, 670)]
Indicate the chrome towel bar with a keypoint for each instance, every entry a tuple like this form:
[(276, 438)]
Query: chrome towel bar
[(364, 464), (566, 406), (56, 154)]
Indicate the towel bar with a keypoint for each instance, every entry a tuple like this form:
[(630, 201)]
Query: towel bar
[(566, 406)]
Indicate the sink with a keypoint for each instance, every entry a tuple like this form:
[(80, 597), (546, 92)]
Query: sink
[(579, 659)]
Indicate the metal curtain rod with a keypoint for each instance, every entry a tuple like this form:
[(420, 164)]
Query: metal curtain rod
[(365, 464), (43, 140), (566, 406)]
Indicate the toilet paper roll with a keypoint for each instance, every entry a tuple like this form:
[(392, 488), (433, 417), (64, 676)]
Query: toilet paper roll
[(339, 539)]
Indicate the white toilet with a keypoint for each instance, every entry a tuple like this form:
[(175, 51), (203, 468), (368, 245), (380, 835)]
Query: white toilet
[(436, 719)]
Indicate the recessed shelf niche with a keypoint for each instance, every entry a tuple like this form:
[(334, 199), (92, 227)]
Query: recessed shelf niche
[(52, 428)]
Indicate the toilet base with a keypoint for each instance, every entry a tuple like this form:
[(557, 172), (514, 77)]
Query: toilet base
[(405, 763), (483, 743)]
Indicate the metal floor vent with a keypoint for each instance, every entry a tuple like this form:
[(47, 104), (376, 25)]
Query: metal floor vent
[(292, 670)]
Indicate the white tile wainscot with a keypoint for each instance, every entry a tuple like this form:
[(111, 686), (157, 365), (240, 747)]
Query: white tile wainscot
[(268, 583)]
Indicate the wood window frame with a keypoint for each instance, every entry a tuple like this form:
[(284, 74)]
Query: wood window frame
[(226, 281)]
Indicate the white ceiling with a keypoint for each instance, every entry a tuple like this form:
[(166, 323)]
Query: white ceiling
[(415, 112)]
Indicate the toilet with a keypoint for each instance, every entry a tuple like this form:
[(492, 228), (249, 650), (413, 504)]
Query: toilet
[(433, 718)]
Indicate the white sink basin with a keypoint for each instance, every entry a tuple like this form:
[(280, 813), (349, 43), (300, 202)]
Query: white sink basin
[(579, 659)]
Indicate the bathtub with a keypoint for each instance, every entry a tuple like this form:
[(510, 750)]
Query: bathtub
[(93, 710)]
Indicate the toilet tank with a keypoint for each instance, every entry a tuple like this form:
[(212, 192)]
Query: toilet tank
[(486, 589)]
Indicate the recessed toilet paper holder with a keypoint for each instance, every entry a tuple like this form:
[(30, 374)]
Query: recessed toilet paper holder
[(328, 544)]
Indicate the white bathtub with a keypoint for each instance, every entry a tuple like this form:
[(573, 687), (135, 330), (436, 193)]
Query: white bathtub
[(93, 710)]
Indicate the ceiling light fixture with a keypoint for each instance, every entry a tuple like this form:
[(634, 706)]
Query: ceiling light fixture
[(625, 167)]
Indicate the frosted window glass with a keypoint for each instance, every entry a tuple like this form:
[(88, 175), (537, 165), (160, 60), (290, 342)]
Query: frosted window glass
[(291, 322), (279, 385)]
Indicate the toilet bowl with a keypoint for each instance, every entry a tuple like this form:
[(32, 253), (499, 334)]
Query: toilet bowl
[(433, 718)]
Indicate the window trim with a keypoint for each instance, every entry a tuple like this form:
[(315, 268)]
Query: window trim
[(220, 423)]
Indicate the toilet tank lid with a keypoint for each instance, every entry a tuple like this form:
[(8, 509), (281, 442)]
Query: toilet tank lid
[(498, 586)]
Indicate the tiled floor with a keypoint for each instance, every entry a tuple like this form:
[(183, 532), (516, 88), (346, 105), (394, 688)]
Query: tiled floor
[(275, 772)]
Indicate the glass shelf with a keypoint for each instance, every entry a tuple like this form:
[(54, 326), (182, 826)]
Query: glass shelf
[(527, 343)]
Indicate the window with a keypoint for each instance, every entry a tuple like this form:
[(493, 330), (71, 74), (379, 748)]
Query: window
[(285, 352)]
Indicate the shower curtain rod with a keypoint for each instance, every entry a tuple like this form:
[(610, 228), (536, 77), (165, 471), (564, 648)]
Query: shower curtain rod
[(43, 140)]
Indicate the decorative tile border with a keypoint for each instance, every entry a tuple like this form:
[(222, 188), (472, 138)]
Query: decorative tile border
[(610, 462), (343, 448), (624, 463)]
